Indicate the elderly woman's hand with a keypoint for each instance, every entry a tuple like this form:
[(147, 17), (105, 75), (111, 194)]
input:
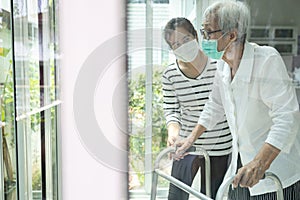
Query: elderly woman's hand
[(182, 145), (251, 173)]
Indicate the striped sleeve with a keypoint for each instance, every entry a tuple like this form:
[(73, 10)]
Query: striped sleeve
[(213, 111), (171, 104)]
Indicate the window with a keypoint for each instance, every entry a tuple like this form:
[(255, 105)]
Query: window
[(143, 147), (147, 125), (30, 102)]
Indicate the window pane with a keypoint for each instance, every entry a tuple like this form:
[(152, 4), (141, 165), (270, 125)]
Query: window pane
[(36, 97), (53, 82), (35, 156), (139, 155), (7, 105), (53, 154)]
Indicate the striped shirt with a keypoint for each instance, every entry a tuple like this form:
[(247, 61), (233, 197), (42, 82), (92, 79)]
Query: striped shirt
[(184, 99)]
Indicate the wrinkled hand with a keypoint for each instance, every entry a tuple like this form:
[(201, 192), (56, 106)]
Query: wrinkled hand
[(249, 175), (182, 145)]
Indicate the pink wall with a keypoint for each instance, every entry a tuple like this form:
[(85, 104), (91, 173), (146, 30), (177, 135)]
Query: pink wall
[(86, 26)]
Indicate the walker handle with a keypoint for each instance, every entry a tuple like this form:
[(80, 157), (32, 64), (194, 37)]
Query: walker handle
[(192, 150), (227, 182)]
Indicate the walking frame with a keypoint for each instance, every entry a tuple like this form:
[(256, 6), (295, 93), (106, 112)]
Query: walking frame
[(222, 189)]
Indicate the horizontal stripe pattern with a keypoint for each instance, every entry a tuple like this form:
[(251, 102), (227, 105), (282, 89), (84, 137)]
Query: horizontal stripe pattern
[(290, 193), (184, 100)]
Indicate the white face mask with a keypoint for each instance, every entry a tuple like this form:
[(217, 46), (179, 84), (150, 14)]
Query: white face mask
[(187, 52)]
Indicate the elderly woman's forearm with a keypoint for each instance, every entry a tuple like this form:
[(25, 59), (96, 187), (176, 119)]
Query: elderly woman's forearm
[(197, 132), (266, 156)]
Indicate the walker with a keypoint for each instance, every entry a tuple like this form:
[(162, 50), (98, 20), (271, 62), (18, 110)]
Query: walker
[(222, 189)]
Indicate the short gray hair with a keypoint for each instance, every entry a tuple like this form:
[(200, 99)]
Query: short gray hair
[(230, 15)]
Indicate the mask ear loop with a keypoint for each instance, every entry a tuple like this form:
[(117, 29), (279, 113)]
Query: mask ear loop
[(230, 42), (222, 35), (227, 44)]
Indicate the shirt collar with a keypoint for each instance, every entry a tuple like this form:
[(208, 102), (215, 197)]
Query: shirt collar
[(244, 71)]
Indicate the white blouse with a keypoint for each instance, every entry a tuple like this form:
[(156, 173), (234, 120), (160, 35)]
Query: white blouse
[(261, 106)]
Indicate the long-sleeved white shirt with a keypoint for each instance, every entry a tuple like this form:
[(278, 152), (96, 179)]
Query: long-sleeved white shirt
[(261, 106)]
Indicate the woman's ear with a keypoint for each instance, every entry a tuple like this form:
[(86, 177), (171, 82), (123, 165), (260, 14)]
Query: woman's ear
[(233, 35), (196, 36)]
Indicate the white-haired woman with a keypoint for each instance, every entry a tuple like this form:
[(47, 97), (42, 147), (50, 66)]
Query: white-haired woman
[(253, 88)]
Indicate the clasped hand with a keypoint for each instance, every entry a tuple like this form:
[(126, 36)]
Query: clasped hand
[(181, 146)]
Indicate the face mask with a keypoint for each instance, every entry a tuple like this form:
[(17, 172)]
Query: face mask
[(210, 48), (187, 52)]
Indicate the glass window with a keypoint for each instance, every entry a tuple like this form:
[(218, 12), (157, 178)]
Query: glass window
[(29, 97), (144, 148), (7, 106)]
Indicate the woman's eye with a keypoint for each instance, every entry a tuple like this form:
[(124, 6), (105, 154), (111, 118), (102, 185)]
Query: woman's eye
[(175, 46), (187, 39)]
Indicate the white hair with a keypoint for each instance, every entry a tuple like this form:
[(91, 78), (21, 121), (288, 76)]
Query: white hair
[(230, 15)]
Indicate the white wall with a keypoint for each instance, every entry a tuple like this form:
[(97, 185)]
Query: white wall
[(275, 12), (86, 26)]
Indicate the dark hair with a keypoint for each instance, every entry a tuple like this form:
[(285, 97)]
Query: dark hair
[(178, 22)]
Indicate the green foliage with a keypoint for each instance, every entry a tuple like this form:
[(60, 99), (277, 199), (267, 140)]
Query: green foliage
[(137, 116), (7, 98), (34, 92), (36, 179)]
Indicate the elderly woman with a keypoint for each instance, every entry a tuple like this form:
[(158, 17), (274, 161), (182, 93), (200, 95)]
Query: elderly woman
[(253, 88), (187, 84)]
